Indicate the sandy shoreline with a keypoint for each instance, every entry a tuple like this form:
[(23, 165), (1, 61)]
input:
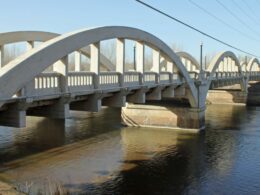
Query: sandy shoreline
[(7, 189)]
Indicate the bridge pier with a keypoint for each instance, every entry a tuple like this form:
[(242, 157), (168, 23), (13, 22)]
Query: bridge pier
[(227, 97), (14, 116), (92, 103), (166, 116), (253, 98), (58, 110)]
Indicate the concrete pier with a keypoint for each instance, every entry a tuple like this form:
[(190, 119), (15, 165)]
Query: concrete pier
[(253, 98), (163, 116), (226, 97)]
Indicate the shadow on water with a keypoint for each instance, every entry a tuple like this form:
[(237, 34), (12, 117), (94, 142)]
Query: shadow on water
[(183, 166), (155, 161), (42, 134)]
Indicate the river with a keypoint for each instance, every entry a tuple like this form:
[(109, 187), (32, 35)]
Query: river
[(95, 154)]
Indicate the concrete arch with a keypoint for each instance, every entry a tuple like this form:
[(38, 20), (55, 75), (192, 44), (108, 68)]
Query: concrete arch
[(243, 66), (215, 63), (183, 54), (41, 36), (56, 48), (252, 63)]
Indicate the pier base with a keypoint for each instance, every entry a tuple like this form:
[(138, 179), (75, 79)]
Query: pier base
[(163, 116)]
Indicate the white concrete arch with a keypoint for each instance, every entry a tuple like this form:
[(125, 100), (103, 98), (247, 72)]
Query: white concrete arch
[(253, 65), (41, 36), (243, 66), (192, 64), (38, 59), (218, 64), (188, 61)]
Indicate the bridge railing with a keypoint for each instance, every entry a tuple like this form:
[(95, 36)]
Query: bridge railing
[(55, 83), (109, 80), (194, 75), (132, 79), (165, 78), (150, 78), (80, 81), (226, 75), (176, 78), (44, 84), (254, 75)]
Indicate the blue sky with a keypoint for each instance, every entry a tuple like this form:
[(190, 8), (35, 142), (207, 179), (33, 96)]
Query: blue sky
[(64, 16)]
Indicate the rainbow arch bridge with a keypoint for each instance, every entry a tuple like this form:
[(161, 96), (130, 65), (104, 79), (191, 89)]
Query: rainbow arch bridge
[(39, 82)]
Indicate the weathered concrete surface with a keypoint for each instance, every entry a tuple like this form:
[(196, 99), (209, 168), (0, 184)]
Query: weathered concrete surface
[(226, 97), (163, 116), (6, 189)]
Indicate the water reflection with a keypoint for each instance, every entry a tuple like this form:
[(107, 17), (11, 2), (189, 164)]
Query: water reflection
[(94, 154)]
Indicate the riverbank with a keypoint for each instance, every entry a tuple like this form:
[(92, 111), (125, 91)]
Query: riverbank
[(7, 189)]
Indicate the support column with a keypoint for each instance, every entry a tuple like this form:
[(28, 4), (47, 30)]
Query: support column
[(2, 54), (189, 67), (156, 93), (77, 59), (139, 95), (232, 65), (225, 64), (139, 57), (169, 67), (156, 61), (61, 67), (93, 102), (94, 62), (95, 58), (118, 99), (221, 66), (120, 55), (229, 64)]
